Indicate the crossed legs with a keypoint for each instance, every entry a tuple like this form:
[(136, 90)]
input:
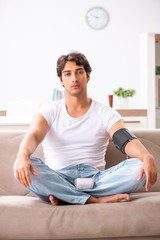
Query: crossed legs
[(111, 185)]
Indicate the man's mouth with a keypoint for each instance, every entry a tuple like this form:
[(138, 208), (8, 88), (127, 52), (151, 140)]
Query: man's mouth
[(75, 86)]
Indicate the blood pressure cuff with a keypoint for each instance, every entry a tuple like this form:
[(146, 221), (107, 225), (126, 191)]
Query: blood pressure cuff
[(121, 137)]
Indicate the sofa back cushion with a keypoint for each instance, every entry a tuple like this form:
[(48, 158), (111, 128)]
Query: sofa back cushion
[(9, 145), (10, 141)]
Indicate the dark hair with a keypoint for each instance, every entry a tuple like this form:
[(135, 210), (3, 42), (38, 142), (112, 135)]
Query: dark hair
[(76, 57)]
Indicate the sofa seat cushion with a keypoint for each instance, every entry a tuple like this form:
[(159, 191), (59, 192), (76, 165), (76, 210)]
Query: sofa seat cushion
[(25, 217)]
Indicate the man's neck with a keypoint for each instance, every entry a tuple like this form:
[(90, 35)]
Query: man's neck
[(77, 105)]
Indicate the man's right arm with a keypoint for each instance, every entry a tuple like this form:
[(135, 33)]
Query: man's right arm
[(33, 138)]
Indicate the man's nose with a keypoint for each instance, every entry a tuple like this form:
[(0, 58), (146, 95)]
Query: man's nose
[(74, 77)]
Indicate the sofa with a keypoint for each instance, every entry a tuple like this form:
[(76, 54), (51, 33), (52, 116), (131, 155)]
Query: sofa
[(24, 216)]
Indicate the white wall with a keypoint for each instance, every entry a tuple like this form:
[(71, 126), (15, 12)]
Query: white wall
[(34, 33)]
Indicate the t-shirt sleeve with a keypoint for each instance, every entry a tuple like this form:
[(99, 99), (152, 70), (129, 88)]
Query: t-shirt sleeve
[(110, 117), (48, 112)]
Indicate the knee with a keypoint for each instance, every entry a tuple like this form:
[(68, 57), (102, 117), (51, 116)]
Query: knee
[(134, 167), (35, 160), (135, 172), (135, 163), (138, 164)]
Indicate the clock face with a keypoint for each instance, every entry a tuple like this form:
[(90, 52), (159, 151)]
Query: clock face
[(97, 18)]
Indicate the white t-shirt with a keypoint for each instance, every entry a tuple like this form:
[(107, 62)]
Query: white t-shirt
[(72, 141)]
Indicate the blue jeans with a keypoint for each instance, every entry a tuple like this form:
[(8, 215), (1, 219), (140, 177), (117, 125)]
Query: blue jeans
[(121, 178)]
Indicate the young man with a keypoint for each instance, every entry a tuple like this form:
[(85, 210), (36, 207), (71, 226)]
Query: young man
[(76, 132)]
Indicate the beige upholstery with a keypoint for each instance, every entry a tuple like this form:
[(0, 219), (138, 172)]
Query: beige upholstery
[(26, 217)]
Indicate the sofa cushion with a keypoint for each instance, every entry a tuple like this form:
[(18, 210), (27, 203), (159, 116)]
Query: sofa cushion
[(9, 142), (30, 218)]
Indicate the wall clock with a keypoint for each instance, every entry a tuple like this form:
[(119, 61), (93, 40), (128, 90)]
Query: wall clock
[(97, 18)]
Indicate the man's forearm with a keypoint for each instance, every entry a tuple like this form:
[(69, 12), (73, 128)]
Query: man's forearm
[(136, 149), (27, 146)]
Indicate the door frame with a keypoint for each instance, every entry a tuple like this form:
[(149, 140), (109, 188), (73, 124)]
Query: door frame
[(147, 76)]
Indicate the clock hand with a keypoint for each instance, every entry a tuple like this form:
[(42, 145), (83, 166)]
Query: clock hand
[(95, 16)]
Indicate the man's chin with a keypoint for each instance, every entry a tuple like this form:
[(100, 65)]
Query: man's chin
[(76, 92)]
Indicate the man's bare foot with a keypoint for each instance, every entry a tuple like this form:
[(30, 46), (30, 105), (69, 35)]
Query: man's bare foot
[(55, 201), (109, 199)]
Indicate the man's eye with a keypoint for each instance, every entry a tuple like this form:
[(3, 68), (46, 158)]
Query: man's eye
[(67, 74), (80, 72)]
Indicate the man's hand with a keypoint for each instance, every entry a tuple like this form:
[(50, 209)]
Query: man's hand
[(32, 139), (22, 171), (149, 168)]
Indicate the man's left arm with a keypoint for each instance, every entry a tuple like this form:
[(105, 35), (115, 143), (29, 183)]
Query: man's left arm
[(135, 148)]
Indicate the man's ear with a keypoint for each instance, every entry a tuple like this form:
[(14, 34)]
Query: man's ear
[(61, 81), (88, 77)]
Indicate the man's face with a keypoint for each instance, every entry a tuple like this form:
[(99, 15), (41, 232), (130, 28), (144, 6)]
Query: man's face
[(74, 78)]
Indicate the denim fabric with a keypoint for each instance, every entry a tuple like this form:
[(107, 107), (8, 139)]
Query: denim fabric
[(121, 178)]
